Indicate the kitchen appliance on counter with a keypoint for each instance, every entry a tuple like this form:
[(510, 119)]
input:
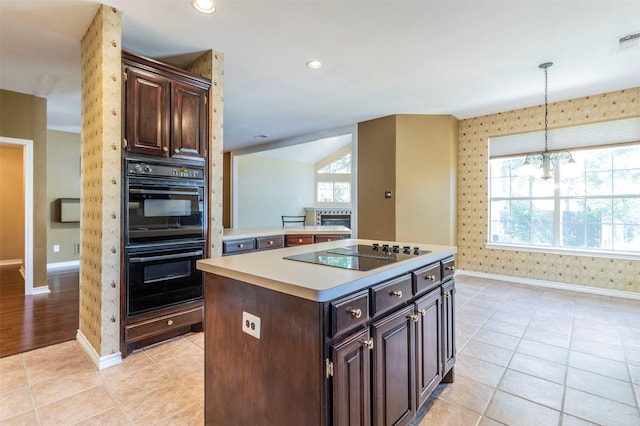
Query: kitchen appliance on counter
[(360, 257)]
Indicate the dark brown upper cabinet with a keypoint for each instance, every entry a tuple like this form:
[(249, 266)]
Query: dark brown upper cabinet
[(165, 109)]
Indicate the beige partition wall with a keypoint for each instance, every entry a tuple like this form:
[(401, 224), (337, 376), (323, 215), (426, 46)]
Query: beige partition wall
[(25, 117), (414, 158), (377, 174), (100, 222), (615, 274)]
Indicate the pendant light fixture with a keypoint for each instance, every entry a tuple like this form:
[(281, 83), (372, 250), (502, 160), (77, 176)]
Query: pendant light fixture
[(543, 163)]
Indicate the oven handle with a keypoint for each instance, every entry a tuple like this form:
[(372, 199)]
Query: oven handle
[(191, 191), (164, 257)]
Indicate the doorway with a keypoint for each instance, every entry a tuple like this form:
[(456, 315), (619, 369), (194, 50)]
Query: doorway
[(27, 209)]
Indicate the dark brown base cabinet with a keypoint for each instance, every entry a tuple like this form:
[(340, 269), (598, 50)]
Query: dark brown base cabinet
[(368, 358)]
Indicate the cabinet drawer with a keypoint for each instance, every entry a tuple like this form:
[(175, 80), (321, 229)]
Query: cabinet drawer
[(165, 323), (426, 278), (298, 240), (326, 238), (275, 241), (238, 246), (448, 267), (390, 294), (349, 313)]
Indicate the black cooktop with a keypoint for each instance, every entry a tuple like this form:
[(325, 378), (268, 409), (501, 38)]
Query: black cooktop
[(359, 257)]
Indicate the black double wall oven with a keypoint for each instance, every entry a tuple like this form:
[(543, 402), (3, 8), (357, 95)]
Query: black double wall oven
[(164, 234)]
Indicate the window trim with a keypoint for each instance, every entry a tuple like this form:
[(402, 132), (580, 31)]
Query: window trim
[(557, 198), (606, 254)]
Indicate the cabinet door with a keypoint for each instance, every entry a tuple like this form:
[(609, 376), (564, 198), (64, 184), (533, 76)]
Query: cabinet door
[(448, 326), (428, 345), (352, 380), (394, 368), (147, 112), (190, 121)]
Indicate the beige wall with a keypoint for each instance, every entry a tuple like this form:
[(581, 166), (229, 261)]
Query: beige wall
[(63, 181), (426, 161), (376, 174), (591, 271), (11, 202), (25, 117), (415, 157)]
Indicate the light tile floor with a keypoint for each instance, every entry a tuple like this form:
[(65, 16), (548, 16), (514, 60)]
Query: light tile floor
[(526, 356), (536, 356)]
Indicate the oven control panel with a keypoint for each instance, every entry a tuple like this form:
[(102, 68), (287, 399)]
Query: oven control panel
[(138, 168)]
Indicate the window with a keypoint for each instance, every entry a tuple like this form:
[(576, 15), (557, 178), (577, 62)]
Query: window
[(591, 205), (333, 181), (341, 166)]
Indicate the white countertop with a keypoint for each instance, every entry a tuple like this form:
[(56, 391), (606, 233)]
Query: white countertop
[(315, 282), (233, 233)]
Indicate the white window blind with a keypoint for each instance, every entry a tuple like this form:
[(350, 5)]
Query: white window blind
[(586, 135)]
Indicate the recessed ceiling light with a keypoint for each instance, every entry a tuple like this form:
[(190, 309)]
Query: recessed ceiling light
[(314, 65), (204, 6)]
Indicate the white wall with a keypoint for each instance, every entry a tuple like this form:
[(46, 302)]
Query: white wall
[(268, 188)]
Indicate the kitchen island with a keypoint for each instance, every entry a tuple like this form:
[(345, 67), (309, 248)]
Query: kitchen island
[(291, 341)]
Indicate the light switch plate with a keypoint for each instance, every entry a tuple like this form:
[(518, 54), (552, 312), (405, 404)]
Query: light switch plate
[(251, 324)]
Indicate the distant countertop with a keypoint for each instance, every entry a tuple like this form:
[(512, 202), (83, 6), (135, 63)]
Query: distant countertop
[(233, 233), (319, 283)]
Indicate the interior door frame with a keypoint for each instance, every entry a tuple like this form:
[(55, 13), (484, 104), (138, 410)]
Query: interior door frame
[(28, 209)]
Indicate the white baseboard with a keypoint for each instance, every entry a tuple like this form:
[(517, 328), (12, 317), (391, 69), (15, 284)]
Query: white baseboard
[(551, 284), (100, 362), (10, 262), (44, 289), (58, 266)]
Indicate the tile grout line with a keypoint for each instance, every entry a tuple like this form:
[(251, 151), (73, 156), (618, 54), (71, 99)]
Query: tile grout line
[(635, 393)]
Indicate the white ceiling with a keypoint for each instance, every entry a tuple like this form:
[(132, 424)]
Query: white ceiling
[(308, 152), (465, 58)]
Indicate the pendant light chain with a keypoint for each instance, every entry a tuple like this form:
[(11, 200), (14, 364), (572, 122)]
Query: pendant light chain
[(546, 113)]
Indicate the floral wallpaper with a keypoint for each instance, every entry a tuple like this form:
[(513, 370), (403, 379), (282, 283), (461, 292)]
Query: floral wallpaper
[(100, 187), (211, 65), (615, 274)]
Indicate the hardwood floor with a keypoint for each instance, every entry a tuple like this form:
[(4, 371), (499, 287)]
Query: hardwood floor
[(30, 322)]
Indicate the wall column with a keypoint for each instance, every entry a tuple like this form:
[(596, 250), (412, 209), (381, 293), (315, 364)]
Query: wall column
[(211, 65), (99, 332)]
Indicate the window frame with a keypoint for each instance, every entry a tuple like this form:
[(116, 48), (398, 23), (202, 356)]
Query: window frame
[(334, 178), (558, 223)]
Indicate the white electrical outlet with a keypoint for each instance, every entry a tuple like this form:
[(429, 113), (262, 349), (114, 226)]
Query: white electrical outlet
[(251, 324), (56, 248)]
